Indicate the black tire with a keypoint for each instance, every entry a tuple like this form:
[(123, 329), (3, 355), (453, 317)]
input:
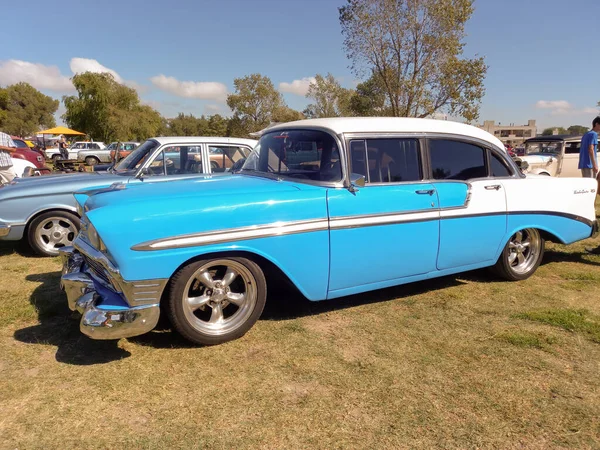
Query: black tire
[(505, 266), (91, 161), (213, 166), (56, 158), (35, 239), (194, 328)]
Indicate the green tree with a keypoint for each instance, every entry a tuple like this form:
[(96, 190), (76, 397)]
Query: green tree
[(184, 125), (577, 130), (413, 49), (550, 131), (369, 99), (330, 99), (108, 111), (254, 103), (286, 114), (25, 110)]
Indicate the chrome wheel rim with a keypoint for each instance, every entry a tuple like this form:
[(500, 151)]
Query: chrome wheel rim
[(219, 297), (54, 233), (523, 250), (91, 161)]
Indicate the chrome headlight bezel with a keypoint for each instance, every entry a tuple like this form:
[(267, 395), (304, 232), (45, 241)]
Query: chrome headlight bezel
[(94, 238)]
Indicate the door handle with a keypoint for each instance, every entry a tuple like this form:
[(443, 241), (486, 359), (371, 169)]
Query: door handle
[(493, 187), (425, 192)]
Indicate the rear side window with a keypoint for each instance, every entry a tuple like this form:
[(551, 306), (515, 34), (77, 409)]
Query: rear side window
[(572, 147), (386, 160), (454, 160), (498, 166)]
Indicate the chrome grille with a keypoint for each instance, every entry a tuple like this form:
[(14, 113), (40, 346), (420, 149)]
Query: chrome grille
[(97, 269)]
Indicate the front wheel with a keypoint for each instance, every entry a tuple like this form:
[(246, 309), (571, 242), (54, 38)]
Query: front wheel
[(216, 300), (521, 256), (50, 231), (91, 161)]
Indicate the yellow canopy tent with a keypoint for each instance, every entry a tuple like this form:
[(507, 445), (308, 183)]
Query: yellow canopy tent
[(61, 130)]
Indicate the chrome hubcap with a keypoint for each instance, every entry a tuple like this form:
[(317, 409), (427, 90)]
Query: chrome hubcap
[(219, 297), (54, 233), (524, 249)]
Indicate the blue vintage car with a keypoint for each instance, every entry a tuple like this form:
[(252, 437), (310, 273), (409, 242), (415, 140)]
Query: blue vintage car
[(336, 206), (43, 211)]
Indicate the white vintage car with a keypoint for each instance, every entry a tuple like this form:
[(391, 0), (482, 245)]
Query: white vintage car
[(555, 156), (337, 206)]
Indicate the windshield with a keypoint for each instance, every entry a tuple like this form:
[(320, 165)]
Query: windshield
[(543, 148), (300, 154), (112, 146), (137, 157)]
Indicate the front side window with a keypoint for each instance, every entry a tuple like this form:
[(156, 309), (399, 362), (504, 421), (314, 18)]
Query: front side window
[(300, 154), (386, 160), (135, 159), (177, 160), (454, 160), (223, 157)]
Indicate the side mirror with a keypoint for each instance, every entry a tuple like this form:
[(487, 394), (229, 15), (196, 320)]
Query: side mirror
[(523, 165), (142, 173), (356, 181)]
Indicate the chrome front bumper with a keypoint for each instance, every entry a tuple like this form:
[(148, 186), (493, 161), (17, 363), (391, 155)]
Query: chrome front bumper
[(105, 314)]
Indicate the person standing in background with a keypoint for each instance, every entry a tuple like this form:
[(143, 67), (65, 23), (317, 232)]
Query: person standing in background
[(7, 147), (588, 159)]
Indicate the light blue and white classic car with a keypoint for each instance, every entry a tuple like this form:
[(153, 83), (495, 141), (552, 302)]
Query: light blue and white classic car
[(43, 211), (336, 206)]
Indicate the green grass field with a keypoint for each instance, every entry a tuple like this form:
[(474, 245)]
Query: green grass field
[(465, 361)]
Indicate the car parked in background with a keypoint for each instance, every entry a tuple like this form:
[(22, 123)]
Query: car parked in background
[(93, 156), (42, 210), (54, 153), (335, 206), (125, 148), (555, 156), (25, 152)]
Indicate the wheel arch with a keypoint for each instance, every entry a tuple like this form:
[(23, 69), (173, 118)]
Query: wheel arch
[(62, 208), (545, 232), (274, 274)]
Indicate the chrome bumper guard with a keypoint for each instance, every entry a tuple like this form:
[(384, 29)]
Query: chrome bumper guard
[(101, 321)]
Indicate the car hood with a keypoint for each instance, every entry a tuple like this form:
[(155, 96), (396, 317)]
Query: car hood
[(177, 192), (57, 184)]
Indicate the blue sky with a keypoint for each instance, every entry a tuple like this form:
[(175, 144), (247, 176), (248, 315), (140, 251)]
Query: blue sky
[(543, 57)]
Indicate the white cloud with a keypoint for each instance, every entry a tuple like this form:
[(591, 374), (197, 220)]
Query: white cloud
[(298, 87), (563, 107), (39, 76), (204, 90), (82, 65)]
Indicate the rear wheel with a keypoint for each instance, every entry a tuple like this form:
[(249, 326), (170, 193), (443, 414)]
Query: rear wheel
[(51, 231), (521, 256), (56, 158), (216, 300), (91, 161)]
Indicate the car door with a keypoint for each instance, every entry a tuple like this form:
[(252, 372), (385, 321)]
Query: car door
[(387, 230), (468, 181), (570, 160), (176, 161)]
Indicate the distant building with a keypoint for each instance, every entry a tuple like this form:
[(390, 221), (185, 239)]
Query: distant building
[(511, 134)]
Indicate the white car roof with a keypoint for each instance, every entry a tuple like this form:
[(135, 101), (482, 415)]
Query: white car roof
[(203, 139), (339, 125)]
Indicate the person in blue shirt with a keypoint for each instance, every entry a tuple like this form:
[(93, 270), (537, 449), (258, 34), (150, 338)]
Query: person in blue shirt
[(588, 160)]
